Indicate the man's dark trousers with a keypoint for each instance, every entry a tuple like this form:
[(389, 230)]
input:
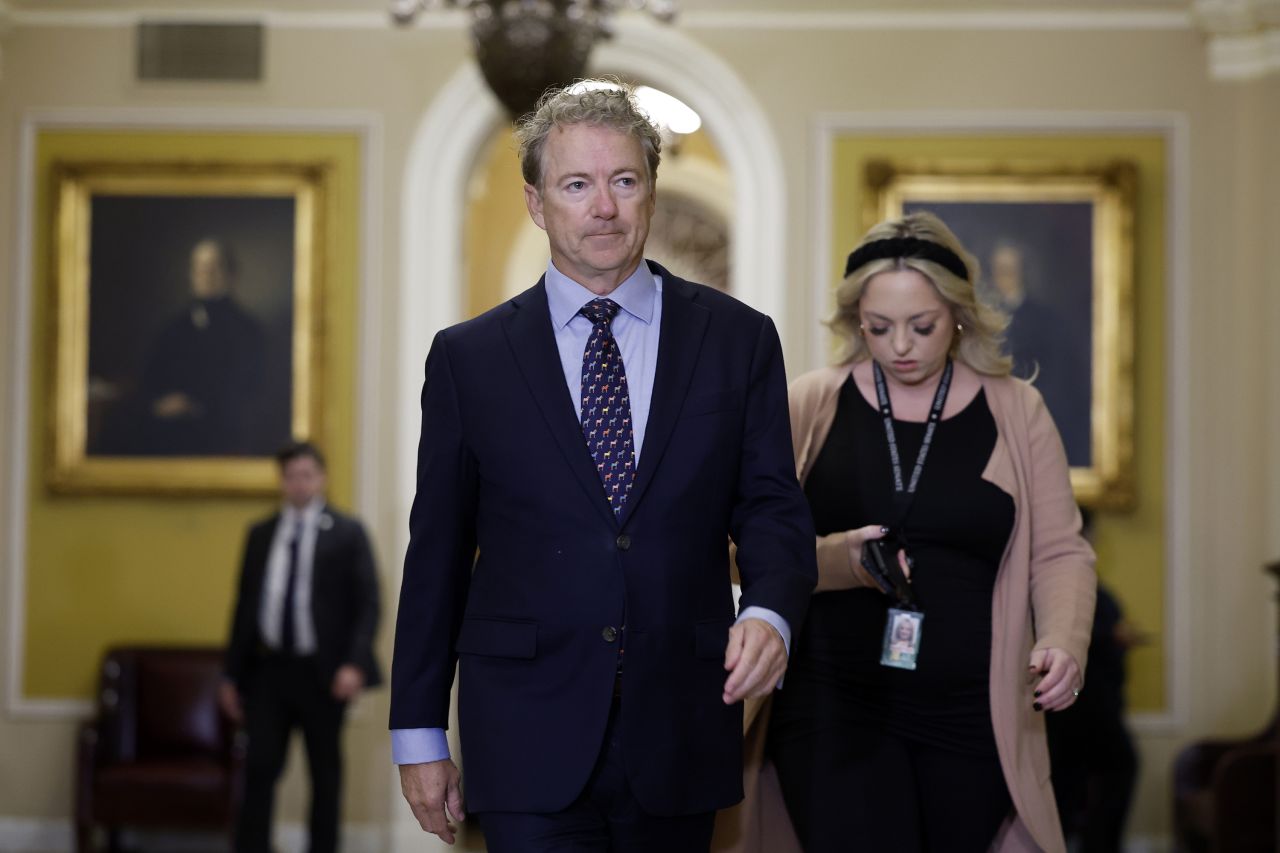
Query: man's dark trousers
[(288, 694)]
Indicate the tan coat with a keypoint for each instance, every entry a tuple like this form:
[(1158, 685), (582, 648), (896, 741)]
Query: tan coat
[(1043, 598)]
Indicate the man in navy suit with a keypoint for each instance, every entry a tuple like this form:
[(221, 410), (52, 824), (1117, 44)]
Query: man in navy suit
[(301, 646), (588, 450)]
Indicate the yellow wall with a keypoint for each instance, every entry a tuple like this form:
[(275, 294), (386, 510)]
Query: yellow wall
[(1130, 545), (108, 569)]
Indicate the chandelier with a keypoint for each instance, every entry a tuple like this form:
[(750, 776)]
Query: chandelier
[(525, 47)]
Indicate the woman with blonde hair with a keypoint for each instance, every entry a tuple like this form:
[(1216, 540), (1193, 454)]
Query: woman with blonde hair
[(939, 487)]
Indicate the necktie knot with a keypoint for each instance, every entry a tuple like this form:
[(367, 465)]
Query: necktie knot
[(600, 311)]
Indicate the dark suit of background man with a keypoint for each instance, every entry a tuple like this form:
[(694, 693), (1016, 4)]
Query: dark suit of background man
[(599, 439), (301, 646)]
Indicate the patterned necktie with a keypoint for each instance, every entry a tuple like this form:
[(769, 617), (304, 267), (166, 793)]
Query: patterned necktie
[(606, 406)]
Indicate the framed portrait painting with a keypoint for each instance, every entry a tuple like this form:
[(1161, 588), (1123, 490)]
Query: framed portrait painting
[(1056, 249), (186, 324)]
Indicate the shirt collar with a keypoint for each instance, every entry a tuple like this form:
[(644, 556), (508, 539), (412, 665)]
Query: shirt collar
[(308, 514), (635, 295)]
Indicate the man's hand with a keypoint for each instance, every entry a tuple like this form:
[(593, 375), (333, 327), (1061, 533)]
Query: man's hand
[(756, 658), (430, 789), (175, 404), (348, 681), (229, 701)]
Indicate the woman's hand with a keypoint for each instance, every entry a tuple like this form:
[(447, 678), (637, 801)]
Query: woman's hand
[(860, 535), (1060, 679)]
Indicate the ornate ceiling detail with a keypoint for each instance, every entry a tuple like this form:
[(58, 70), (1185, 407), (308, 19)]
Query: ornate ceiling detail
[(524, 47), (690, 239), (1243, 37)]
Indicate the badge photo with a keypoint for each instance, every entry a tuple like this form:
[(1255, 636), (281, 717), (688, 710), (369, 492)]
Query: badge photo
[(902, 631)]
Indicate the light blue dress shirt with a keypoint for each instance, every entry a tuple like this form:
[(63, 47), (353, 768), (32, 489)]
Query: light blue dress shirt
[(636, 329)]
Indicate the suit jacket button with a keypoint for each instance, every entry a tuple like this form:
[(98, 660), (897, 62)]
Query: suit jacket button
[(609, 634), (624, 542)]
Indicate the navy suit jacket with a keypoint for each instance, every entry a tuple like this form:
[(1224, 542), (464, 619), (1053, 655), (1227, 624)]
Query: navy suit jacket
[(503, 468)]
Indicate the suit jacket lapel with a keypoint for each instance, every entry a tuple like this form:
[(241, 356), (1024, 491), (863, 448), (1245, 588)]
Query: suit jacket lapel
[(533, 346), (324, 537), (262, 552), (684, 323)]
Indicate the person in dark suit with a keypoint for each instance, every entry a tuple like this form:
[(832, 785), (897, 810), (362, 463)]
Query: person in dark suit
[(599, 439), (1094, 758), (301, 646), (200, 390)]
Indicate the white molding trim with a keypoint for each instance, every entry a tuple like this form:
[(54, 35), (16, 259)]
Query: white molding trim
[(941, 19), (303, 19), (369, 323), (36, 835), (1060, 19), (368, 127), (57, 835), (1244, 57), (1234, 16), (1175, 129), (1177, 427), (17, 427)]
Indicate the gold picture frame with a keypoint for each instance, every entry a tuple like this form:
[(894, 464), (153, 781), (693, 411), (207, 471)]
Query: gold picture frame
[(125, 235), (1072, 317)]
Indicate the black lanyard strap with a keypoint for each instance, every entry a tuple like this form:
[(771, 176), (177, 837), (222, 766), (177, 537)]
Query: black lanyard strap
[(905, 495)]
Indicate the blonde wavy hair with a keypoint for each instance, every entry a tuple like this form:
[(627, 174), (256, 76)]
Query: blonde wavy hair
[(980, 345), (602, 103)]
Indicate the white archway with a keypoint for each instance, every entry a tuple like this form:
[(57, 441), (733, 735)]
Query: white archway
[(440, 161)]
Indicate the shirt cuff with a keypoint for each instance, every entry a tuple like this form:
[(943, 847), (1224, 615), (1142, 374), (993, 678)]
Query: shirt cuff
[(766, 615), (418, 746)]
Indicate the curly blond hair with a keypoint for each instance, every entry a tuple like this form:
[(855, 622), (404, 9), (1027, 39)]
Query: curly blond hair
[(602, 103)]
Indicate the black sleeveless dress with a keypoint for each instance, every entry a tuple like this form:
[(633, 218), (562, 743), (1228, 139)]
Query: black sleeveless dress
[(956, 529)]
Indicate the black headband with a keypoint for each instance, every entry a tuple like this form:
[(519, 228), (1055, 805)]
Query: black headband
[(907, 247)]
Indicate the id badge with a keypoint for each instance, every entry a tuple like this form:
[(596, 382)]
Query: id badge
[(902, 638)]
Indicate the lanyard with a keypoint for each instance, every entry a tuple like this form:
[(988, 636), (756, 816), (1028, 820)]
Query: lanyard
[(903, 496)]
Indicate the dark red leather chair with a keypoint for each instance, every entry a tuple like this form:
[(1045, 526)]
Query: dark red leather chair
[(1225, 796), (1225, 792), (159, 752)]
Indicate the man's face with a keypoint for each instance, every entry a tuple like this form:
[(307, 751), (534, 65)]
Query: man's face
[(595, 203), (1006, 274), (302, 480), (208, 274)]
